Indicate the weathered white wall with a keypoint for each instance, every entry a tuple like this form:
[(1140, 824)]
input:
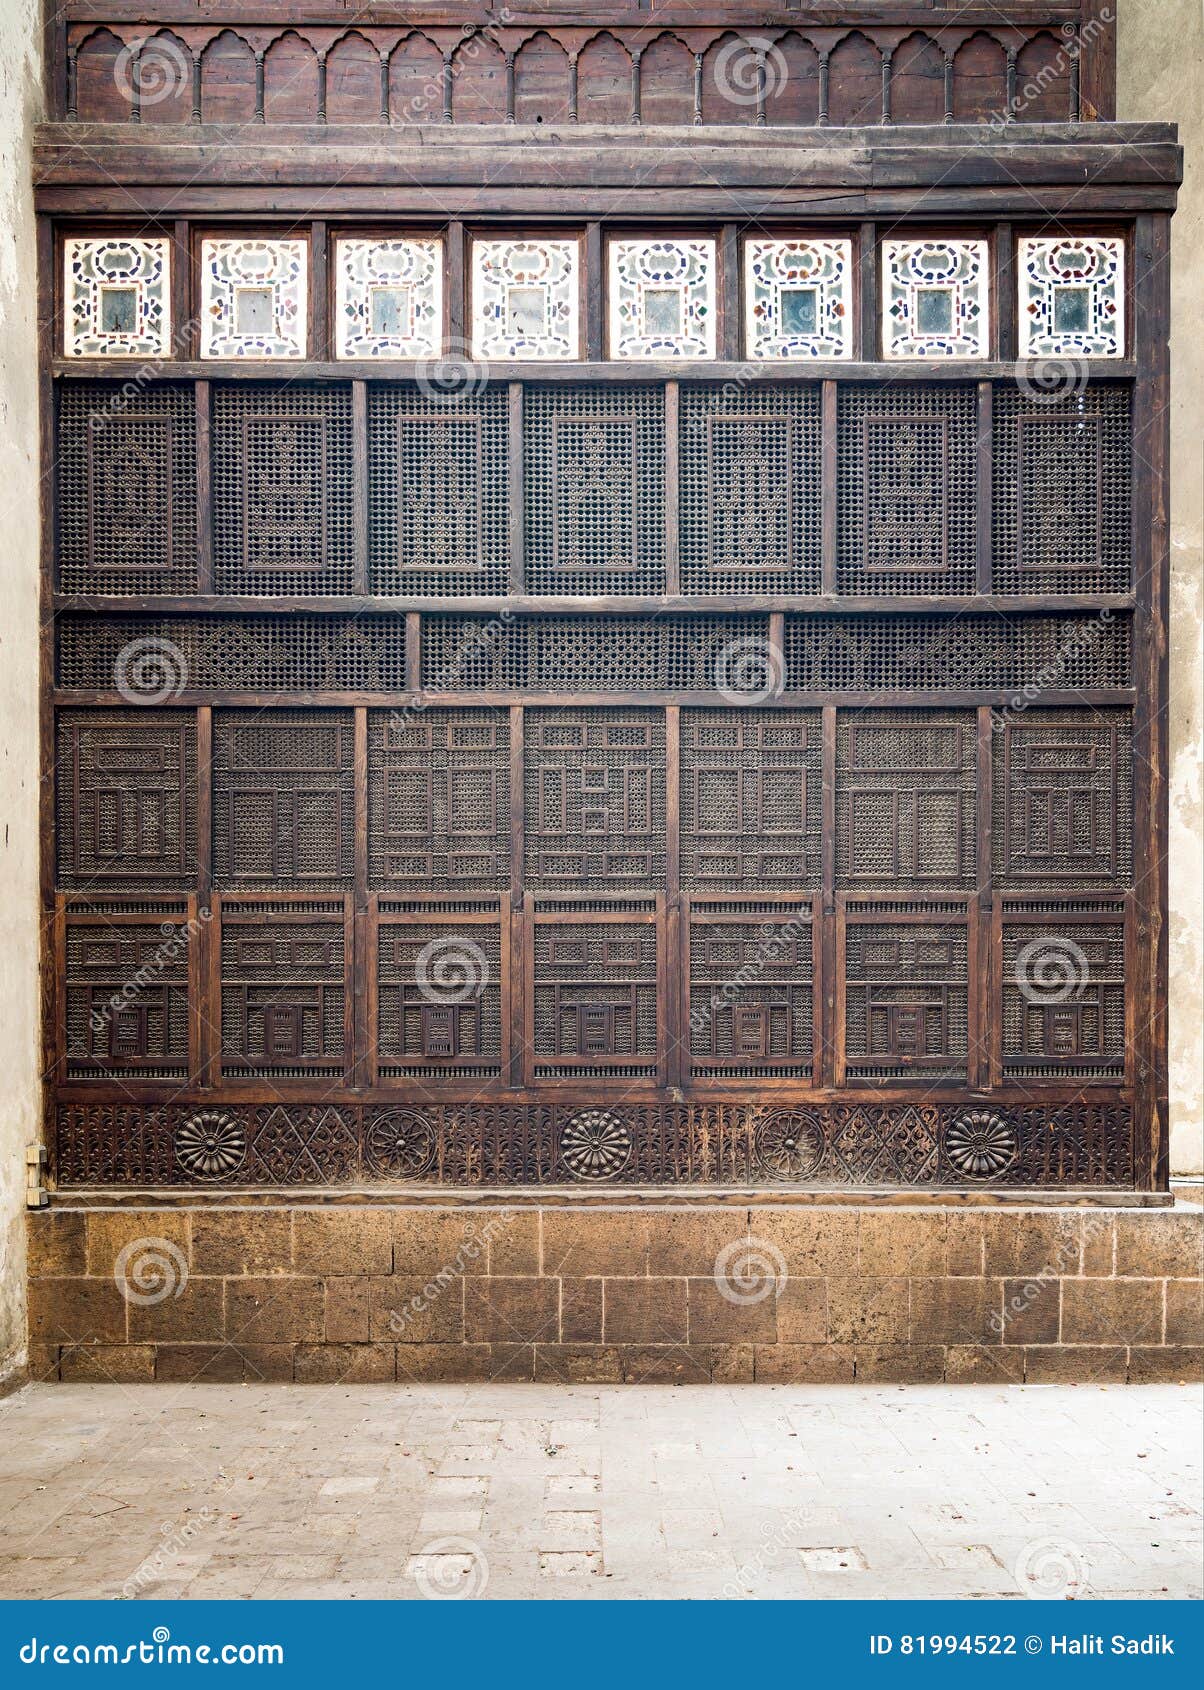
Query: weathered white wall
[(20, 104), (1160, 75)]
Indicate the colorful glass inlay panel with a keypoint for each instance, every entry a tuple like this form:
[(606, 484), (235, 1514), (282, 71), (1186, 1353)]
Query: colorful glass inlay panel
[(662, 299), (798, 299), (117, 297), (1072, 297), (934, 299), (388, 298), (525, 299), (253, 298)]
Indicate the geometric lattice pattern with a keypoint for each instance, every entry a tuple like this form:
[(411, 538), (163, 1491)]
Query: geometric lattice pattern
[(593, 998), (439, 799), (283, 798), (439, 992), (595, 798), (1062, 479), (1063, 802), (283, 989), (594, 490), (1062, 982), (906, 994), (126, 799), (934, 299), (126, 484), (751, 990), (751, 799), (116, 297), (907, 467), (906, 813), (437, 487), (282, 489), (751, 489), (1072, 296), (126, 977)]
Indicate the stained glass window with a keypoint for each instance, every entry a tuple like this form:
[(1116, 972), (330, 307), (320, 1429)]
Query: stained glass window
[(525, 299), (1072, 297), (798, 299), (117, 297), (934, 299), (253, 298), (662, 299), (389, 298)]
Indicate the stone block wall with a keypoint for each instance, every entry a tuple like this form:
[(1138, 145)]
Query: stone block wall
[(613, 1294)]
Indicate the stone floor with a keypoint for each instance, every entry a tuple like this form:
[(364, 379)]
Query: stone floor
[(600, 1491)]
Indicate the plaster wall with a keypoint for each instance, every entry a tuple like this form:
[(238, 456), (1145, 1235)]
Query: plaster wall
[(1160, 73), (20, 102)]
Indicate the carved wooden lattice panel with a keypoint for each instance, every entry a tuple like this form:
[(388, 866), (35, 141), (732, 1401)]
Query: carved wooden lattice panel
[(751, 508), (442, 990), (593, 993), (751, 989), (1062, 983), (724, 888), (906, 992), (437, 491), (283, 798), (282, 489), (283, 989), (594, 490), (126, 799), (1063, 803), (439, 798), (595, 798), (1062, 481), (751, 799), (126, 986), (906, 806), (906, 460), (126, 506)]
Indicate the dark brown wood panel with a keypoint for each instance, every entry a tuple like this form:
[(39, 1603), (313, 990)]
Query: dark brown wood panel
[(702, 773)]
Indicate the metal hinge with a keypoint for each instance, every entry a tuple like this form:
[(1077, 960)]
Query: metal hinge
[(36, 1196)]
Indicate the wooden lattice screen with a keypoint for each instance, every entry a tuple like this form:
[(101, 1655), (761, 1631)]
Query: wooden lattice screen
[(719, 773)]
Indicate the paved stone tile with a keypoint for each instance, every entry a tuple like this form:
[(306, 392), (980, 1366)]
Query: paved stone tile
[(536, 1491)]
